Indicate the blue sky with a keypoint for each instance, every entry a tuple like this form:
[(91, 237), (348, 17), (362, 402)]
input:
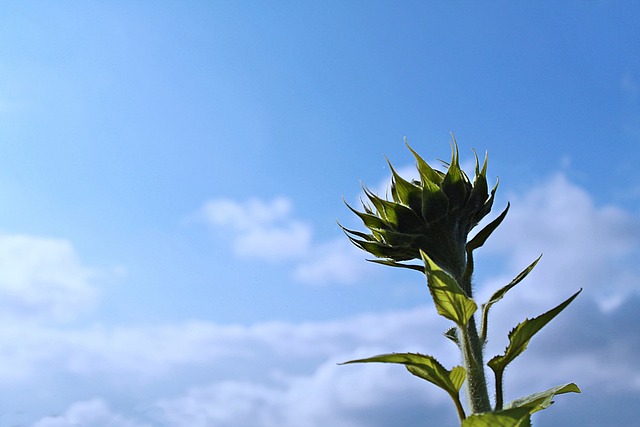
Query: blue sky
[(171, 174)]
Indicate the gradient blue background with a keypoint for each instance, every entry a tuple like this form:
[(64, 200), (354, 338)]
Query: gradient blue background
[(143, 145)]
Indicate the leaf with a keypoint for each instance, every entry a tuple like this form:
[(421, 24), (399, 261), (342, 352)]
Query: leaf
[(392, 263), (454, 184), (404, 191), (427, 173), (450, 300), (425, 367), (515, 417), (520, 336), (497, 296), (452, 334), (518, 413), (370, 221), (395, 215), (488, 204), (435, 203), (542, 400), (482, 236)]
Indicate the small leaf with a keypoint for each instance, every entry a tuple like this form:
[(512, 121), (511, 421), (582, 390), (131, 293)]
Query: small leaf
[(404, 191), (427, 173), (452, 334), (369, 219), (425, 367), (483, 172), (392, 263), (520, 336), (497, 296), (450, 300), (396, 215), (455, 182), (542, 400), (478, 196), (457, 376), (482, 236), (435, 203), (515, 417), (488, 204)]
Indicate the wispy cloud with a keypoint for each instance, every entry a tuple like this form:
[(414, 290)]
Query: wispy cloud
[(94, 412), (43, 278), (267, 230), (260, 229)]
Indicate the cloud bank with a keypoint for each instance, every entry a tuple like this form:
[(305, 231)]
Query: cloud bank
[(199, 373)]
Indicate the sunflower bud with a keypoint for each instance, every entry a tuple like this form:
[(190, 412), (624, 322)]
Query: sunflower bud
[(434, 215)]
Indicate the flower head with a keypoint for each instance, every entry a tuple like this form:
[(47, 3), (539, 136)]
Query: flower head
[(433, 215)]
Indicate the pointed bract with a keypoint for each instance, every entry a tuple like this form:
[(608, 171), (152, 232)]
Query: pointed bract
[(434, 215)]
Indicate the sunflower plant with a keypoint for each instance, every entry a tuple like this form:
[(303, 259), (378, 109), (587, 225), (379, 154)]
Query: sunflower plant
[(424, 226)]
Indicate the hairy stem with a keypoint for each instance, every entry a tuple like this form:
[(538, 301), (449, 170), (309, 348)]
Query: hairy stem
[(499, 393), (472, 347), (472, 358)]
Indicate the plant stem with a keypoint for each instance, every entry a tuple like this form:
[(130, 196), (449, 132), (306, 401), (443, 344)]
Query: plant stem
[(472, 348), (499, 395), (459, 408), (476, 384)]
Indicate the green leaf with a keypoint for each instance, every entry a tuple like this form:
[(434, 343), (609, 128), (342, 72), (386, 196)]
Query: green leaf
[(452, 334), (457, 375), (478, 196), (480, 191), (497, 296), (425, 367), (396, 215), (518, 413), (520, 336), (482, 236), (479, 239), (450, 300), (488, 204), (404, 191), (515, 417), (427, 173), (370, 221), (435, 203), (392, 263), (455, 182), (542, 400)]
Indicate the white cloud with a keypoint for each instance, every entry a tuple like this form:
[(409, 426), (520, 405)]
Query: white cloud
[(284, 374), (268, 231), (261, 375), (42, 278), (336, 261), (584, 245), (261, 229), (94, 413), (331, 395)]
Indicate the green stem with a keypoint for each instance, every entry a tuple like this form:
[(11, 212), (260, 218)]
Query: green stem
[(476, 384), (459, 408), (499, 393)]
